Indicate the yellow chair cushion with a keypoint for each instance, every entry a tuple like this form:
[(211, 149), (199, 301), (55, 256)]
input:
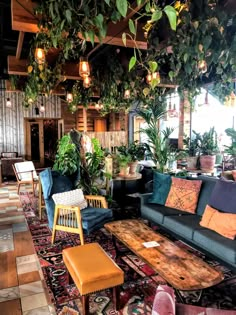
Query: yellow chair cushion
[(91, 268)]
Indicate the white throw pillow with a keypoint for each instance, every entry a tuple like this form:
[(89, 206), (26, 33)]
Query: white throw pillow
[(71, 198)]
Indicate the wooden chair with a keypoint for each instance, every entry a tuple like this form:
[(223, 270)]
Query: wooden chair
[(25, 174), (70, 218)]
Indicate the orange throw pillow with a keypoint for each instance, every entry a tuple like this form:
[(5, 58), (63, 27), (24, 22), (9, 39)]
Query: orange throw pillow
[(183, 194), (220, 222)]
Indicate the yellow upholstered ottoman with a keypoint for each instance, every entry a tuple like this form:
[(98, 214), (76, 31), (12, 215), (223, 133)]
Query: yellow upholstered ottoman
[(92, 270)]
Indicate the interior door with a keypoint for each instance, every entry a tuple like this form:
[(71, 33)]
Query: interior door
[(35, 142)]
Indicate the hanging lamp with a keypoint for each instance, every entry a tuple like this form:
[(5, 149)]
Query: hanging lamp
[(39, 56), (84, 68)]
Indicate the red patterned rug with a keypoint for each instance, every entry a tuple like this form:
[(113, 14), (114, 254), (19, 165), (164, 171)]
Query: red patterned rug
[(138, 291)]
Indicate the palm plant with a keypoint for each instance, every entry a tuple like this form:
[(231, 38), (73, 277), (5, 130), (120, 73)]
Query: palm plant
[(158, 146)]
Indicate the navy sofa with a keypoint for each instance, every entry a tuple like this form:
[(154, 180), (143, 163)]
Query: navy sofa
[(186, 226)]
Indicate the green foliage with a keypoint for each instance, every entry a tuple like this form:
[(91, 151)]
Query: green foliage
[(158, 146), (231, 132), (134, 151), (208, 144), (67, 157), (92, 170), (123, 159), (192, 144)]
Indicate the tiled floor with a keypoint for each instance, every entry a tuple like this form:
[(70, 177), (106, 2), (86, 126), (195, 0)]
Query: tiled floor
[(22, 287)]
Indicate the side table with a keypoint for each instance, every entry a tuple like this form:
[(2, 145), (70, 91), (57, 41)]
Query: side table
[(122, 192)]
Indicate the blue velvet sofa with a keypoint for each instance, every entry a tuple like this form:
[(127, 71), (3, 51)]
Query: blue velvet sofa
[(186, 226)]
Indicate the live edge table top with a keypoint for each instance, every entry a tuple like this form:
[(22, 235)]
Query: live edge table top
[(181, 269)]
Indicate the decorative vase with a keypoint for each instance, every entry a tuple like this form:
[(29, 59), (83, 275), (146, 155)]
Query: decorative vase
[(191, 162), (207, 162), (124, 171), (133, 167)]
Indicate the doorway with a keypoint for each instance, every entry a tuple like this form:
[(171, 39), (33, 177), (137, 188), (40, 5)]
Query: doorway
[(41, 140)]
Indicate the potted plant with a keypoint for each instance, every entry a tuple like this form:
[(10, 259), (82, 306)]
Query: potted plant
[(192, 150), (123, 161), (157, 147), (208, 147), (136, 151), (231, 149)]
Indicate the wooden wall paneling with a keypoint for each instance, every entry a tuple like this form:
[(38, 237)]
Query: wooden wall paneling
[(109, 139), (68, 117)]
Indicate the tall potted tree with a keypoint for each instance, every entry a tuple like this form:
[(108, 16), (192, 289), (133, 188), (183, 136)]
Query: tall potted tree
[(158, 147)]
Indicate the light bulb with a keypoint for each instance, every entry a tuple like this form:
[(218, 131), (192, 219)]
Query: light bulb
[(84, 69), (86, 82), (39, 55), (42, 108), (8, 103), (202, 66), (69, 97), (127, 94)]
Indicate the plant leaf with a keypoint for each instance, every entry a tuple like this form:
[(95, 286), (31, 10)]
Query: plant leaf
[(172, 17), (124, 38), (132, 62), (91, 36), (132, 27), (146, 91), (68, 15), (156, 16), (153, 66), (107, 2), (122, 7)]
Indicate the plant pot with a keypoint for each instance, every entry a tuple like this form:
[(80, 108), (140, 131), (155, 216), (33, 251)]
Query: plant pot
[(133, 167), (124, 171), (207, 162), (191, 162)]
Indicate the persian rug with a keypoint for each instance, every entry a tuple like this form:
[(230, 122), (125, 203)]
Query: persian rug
[(139, 288)]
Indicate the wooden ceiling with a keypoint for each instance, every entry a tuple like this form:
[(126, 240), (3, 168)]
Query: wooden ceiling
[(24, 21)]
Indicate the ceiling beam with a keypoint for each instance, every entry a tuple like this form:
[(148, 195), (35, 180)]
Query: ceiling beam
[(19, 67), (22, 16), (59, 90), (20, 44), (23, 19)]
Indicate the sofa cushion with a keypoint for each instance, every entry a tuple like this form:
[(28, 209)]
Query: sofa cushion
[(183, 225), (183, 194), (95, 218), (223, 196), (216, 244), (156, 213), (234, 174), (220, 222), (161, 188), (208, 184)]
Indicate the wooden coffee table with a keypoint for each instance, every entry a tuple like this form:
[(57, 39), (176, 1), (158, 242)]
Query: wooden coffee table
[(181, 269)]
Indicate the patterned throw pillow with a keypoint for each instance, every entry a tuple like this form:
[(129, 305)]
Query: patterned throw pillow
[(183, 194), (220, 222), (71, 198)]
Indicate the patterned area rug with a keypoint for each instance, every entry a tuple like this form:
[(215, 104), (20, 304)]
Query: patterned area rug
[(138, 291)]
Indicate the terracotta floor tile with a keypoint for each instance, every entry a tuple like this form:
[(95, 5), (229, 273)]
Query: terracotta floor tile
[(11, 307), (28, 277)]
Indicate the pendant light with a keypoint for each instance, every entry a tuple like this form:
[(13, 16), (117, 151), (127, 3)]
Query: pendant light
[(127, 94), (39, 56), (8, 103), (202, 66), (86, 82), (69, 97), (84, 69)]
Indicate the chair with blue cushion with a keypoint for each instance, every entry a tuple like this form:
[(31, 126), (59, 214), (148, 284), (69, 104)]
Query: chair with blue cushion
[(77, 213)]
